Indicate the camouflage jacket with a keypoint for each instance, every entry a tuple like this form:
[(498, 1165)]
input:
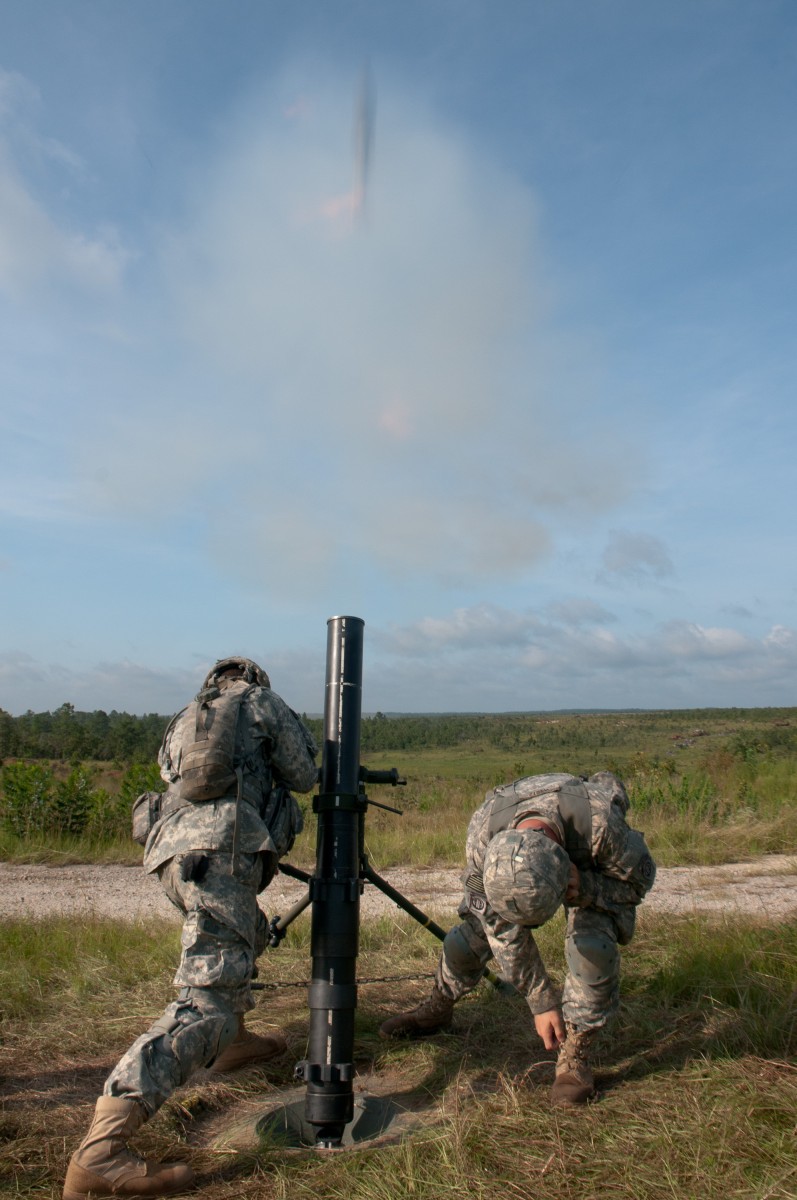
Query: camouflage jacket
[(277, 749)]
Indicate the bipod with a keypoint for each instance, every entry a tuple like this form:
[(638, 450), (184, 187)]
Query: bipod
[(278, 925)]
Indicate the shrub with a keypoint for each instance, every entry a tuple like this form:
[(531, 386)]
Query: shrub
[(34, 802), (27, 795)]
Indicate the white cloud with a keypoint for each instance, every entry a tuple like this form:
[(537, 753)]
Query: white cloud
[(15, 92), (780, 639), (488, 657), (477, 659), (136, 687), (685, 639), (476, 628)]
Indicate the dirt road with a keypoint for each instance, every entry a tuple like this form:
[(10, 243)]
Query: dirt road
[(765, 888)]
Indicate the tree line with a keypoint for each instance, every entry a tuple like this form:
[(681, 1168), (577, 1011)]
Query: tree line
[(68, 735)]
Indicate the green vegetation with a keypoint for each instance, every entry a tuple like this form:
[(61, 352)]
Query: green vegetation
[(707, 786), (70, 813), (698, 1086)]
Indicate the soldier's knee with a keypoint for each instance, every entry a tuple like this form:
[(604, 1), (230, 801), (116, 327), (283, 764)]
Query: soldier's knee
[(195, 1030), (592, 956), (202, 1041), (459, 954)]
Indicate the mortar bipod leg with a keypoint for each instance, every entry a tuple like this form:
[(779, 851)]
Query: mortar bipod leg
[(417, 914)]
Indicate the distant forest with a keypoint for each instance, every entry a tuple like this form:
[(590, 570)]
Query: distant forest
[(69, 736)]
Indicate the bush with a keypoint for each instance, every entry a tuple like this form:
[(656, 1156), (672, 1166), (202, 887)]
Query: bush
[(677, 795), (35, 802), (140, 777), (27, 795), (72, 802)]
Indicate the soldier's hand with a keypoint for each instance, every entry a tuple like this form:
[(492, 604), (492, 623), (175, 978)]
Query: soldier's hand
[(573, 885), (551, 1028)]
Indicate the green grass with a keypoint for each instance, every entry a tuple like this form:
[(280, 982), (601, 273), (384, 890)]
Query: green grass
[(61, 850), (698, 1082)]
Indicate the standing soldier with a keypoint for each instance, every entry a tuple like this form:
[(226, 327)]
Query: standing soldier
[(226, 818), (533, 845)]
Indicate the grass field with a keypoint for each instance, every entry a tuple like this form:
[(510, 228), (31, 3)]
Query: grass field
[(698, 1084)]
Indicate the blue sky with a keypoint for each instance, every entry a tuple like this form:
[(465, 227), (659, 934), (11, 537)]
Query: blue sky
[(517, 387)]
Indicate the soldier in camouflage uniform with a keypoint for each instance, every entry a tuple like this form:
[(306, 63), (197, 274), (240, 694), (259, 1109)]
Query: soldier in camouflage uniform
[(535, 844), (212, 859)]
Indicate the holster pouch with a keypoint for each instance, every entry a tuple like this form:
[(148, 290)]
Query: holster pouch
[(194, 867), (270, 863)]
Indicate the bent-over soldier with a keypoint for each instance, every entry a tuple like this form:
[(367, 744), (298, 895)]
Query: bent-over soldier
[(533, 845)]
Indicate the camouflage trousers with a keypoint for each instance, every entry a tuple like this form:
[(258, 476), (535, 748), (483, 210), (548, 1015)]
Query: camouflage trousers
[(592, 988), (224, 931)]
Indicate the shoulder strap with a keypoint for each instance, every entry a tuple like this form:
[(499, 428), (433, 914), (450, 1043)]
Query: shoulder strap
[(576, 813), (504, 806)]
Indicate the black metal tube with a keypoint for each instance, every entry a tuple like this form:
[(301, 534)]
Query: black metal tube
[(340, 764), (329, 1069)]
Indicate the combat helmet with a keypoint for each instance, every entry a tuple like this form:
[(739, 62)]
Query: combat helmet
[(250, 671), (525, 876)]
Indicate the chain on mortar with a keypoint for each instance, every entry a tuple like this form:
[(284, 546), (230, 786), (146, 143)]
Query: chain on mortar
[(289, 983)]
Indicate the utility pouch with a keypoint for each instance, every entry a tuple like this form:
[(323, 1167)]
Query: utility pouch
[(270, 864), (146, 812)]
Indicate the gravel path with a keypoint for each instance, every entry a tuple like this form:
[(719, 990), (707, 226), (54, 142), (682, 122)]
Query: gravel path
[(765, 888)]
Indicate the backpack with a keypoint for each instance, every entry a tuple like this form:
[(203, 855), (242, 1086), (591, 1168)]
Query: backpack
[(207, 760)]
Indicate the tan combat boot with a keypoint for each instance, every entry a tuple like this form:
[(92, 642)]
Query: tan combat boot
[(429, 1017), (248, 1048), (103, 1166), (574, 1082)]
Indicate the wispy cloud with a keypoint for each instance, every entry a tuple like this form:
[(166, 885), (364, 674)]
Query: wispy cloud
[(638, 556), (27, 683), (38, 248), (556, 663), (580, 611), (35, 252)]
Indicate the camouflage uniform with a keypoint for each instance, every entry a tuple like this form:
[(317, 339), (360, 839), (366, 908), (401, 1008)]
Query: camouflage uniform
[(619, 873), (212, 859)]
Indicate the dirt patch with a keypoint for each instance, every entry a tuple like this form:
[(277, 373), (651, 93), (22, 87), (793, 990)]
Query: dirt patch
[(765, 888)]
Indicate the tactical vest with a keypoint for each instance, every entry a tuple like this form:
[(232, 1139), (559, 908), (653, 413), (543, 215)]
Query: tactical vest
[(511, 806)]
